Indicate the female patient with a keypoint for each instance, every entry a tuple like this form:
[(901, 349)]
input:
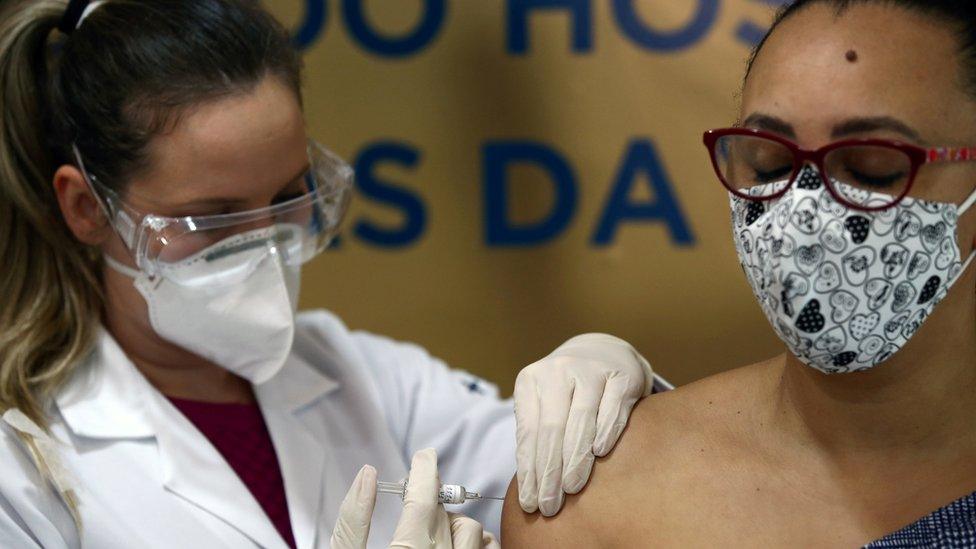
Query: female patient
[(851, 181)]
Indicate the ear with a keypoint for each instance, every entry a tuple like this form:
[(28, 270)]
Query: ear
[(79, 207)]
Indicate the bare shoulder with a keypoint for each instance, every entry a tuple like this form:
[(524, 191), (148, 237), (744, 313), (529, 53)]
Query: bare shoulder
[(672, 442), (707, 412)]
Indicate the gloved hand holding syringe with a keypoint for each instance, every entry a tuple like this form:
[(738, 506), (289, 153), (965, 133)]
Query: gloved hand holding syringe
[(448, 494), (424, 521)]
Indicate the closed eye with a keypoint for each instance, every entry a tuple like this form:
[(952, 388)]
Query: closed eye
[(773, 175), (880, 181)]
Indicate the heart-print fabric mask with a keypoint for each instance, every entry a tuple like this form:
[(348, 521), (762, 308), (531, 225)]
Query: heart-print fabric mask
[(846, 289)]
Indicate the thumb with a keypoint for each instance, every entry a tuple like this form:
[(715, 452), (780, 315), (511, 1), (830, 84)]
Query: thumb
[(352, 526)]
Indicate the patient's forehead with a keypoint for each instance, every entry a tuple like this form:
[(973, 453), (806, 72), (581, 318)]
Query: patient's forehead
[(819, 67)]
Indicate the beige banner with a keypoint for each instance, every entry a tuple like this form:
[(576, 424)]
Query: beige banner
[(529, 170)]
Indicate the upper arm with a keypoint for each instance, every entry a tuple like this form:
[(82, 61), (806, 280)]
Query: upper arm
[(572, 527), (602, 514), (429, 404), (423, 401)]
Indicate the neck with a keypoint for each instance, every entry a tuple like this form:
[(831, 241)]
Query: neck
[(920, 399), (174, 371)]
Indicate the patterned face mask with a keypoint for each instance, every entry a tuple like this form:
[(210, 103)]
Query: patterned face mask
[(846, 289)]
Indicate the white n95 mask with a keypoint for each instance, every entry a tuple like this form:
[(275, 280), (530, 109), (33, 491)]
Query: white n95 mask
[(846, 289), (234, 305)]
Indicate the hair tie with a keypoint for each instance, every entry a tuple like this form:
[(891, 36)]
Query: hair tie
[(75, 13), (72, 15)]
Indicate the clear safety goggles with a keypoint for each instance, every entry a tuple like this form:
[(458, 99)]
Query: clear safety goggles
[(226, 248)]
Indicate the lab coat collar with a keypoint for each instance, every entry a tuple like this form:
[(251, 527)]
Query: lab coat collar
[(196, 471), (106, 397)]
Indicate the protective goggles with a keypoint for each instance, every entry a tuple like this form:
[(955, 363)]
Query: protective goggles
[(228, 247)]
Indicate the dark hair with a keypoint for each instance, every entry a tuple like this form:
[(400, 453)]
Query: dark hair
[(133, 67), (958, 14), (129, 72)]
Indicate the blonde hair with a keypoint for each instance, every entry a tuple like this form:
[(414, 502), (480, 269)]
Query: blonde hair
[(51, 295), (50, 283)]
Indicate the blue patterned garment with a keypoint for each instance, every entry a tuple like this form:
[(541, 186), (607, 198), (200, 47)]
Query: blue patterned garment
[(951, 526)]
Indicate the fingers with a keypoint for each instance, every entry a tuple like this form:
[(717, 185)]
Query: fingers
[(352, 527), (571, 407), (423, 522), (619, 397), (527, 428), (580, 434), (466, 533), (422, 482), (553, 414)]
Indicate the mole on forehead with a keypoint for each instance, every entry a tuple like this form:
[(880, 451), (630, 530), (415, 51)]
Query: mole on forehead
[(851, 56)]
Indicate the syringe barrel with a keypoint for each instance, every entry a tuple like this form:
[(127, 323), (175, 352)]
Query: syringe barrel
[(452, 494)]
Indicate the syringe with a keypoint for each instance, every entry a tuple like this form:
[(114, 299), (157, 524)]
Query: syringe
[(449, 493)]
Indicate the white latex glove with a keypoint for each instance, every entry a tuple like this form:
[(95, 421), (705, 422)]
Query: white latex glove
[(424, 522), (570, 407), (356, 511)]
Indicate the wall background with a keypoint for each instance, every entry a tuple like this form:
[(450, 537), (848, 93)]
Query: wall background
[(588, 100)]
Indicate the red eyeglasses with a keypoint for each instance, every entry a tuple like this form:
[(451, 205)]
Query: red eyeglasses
[(863, 174)]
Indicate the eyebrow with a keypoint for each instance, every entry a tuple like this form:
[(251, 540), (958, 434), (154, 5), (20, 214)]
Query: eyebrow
[(870, 124), (851, 126), (769, 123)]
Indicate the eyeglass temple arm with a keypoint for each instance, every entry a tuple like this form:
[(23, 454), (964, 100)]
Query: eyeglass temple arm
[(951, 154), (127, 233), (91, 187)]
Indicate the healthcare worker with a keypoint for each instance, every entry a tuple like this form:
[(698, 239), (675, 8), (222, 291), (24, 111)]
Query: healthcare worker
[(158, 196)]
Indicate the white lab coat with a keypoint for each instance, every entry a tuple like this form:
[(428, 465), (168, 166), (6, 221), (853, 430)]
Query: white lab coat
[(145, 477)]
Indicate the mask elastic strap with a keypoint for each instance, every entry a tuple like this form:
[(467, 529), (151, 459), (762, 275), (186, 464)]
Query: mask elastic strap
[(962, 209), (965, 266), (120, 268), (967, 204)]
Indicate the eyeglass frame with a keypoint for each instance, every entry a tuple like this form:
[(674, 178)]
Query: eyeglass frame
[(918, 156)]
